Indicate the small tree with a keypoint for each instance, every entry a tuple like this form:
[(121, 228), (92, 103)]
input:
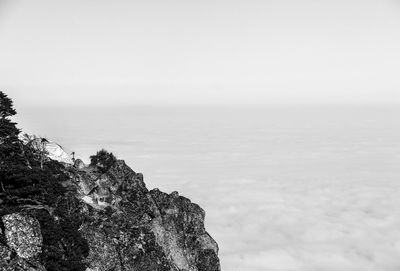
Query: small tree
[(103, 160), (10, 145), (6, 106)]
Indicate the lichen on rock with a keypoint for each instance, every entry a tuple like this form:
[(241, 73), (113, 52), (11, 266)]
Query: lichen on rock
[(23, 244), (23, 235)]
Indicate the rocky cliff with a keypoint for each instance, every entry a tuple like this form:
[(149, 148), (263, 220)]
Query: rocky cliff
[(122, 226)]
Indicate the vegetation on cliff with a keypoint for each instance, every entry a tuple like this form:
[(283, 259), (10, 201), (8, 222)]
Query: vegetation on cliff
[(35, 187), (55, 216), (103, 160)]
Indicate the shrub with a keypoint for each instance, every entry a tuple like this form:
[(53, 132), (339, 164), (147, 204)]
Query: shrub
[(103, 160)]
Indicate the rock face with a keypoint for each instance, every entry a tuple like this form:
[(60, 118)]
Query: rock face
[(137, 229), (126, 226), (23, 235), (24, 240), (179, 230)]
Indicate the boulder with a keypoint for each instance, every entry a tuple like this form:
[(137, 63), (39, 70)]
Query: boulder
[(23, 241), (23, 235)]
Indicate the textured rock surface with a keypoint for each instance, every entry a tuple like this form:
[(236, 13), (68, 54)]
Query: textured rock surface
[(23, 235), (23, 241), (137, 229), (179, 231), (126, 227), (79, 164)]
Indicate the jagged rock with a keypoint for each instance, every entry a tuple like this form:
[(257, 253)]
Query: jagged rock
[(53, 150), (103, 253), (179, 230), (123, 247), (126, 227), (23, 235), (145, 230), (99, 217), (79, 164)]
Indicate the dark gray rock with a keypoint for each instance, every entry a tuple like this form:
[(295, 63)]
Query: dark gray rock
[(125, 226), (179, 231), (145, 230)]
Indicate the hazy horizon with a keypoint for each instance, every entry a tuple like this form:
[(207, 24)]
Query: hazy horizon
[(204, 52)]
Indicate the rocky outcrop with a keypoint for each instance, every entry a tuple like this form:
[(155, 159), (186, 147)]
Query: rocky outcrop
[(179, 230), (137, 229), (23, 241), (126, 227)]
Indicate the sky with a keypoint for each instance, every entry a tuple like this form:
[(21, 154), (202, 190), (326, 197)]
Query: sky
[(97, 52)]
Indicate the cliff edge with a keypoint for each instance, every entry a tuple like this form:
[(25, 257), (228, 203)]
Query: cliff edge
[(124, 225), (98, 217)]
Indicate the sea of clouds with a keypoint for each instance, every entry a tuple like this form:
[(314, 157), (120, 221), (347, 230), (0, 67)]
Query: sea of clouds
[(304, 189), (315, 226)]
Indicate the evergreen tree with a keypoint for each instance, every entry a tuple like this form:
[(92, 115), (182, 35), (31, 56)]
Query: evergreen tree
[(103, 160), (30, 183), (6, 106), (10, 145)]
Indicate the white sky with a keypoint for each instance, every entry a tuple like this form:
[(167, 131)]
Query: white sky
[(208, 52)]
